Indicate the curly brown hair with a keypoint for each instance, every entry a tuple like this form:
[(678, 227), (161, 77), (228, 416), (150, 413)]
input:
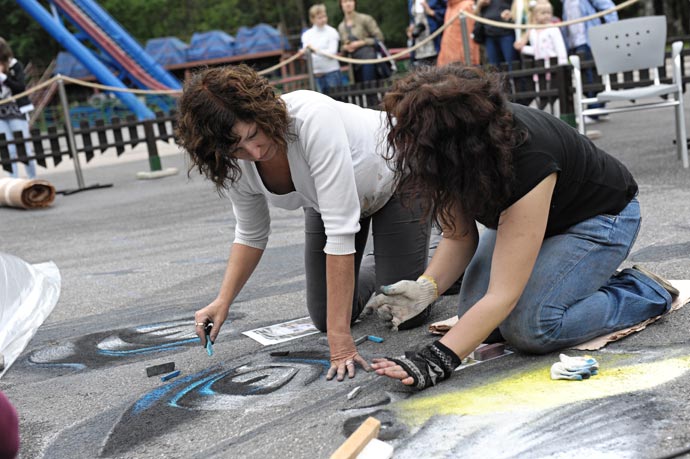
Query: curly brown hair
[(452, 136), (212, 101)]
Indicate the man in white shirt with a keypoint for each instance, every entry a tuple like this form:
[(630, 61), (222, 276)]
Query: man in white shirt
[(323, 37)]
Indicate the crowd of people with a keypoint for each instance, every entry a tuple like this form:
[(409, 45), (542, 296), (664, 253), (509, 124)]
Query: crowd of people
[(359, 35)]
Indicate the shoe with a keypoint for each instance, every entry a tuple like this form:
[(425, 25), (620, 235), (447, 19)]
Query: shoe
[(659, 280), (590, 120), (593, 134)]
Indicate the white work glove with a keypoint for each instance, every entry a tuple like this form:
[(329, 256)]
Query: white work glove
[(403, 300), (574, 368)]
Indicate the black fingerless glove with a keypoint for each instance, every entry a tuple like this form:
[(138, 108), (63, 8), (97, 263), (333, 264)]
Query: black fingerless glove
[(428, 365)]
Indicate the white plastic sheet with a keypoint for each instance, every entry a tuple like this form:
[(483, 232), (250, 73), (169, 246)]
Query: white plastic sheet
[(28, 294)]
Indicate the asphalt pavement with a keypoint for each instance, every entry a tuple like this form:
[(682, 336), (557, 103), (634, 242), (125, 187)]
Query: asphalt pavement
[(138, 258)]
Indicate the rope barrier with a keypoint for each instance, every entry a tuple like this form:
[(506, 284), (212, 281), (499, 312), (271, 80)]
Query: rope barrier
[(407, 51), (349, 60), (506, 25)]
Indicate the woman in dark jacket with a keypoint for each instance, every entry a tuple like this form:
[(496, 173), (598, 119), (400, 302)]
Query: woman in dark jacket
[(499, 40)]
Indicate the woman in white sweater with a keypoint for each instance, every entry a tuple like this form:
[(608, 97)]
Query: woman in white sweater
[(302, 149)]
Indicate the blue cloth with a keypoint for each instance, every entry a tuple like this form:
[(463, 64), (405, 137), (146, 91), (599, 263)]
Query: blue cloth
[(328, 80), (571, 296), (8, 127), (585, 53), (436, 21)]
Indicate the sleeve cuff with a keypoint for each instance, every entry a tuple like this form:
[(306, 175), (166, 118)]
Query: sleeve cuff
[(261, 245), (340, 245)]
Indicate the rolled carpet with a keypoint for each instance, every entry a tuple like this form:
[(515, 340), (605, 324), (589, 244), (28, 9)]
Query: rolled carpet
[(26, 193)]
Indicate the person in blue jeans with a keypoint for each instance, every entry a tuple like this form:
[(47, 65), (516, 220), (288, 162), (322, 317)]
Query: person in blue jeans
[(577, 34), (499, 40), (325, 38), (561, 215)]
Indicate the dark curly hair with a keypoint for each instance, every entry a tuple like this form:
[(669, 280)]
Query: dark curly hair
[(212, 101), (452, 136)]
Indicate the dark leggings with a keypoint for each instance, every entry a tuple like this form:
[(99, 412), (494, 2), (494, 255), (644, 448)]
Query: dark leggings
[(401, 243)]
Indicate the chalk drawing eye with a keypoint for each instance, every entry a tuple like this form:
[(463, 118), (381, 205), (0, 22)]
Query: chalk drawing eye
[(118, 346), (236, 391)]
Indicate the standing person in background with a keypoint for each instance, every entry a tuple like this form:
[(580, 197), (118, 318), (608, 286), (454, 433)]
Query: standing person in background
[(425, 18), (577, 37), (544, 44), (452, 47), (358, 33), (13, 116), (499, 40), (323, 37)]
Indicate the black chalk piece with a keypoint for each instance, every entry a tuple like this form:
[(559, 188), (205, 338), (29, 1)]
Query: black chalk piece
[(160, 369), (279, 353)]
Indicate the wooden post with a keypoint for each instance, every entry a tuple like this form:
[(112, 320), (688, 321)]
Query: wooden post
[(356, 442)]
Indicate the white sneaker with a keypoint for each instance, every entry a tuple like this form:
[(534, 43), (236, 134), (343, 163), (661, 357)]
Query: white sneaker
[(589, 120), (593, 134)]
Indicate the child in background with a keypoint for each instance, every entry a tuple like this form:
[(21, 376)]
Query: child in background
[(323, 37), (544, 43)]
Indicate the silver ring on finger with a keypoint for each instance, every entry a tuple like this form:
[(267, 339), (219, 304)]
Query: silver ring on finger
[(349, 362)]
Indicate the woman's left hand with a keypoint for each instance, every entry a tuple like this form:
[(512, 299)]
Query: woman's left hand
[(344, 356)]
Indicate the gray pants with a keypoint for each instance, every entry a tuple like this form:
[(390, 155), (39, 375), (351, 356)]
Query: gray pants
[(401, 243)]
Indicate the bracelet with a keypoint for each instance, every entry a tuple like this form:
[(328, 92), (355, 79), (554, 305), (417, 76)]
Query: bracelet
[(433, 282)]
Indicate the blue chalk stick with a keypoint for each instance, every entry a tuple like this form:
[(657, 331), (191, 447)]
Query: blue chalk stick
[(170, 375), (375, 339), (209, 346)]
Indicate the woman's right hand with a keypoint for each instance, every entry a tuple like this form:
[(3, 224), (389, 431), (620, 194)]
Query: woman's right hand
[(216, 313)]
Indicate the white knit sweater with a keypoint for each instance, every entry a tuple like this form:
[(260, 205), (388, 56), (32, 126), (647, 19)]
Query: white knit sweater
[(337, 168)]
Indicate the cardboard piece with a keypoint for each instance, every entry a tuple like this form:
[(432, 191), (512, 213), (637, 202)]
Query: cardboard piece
[(26, 193)]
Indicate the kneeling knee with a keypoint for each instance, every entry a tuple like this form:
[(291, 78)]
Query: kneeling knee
[(528, 342)]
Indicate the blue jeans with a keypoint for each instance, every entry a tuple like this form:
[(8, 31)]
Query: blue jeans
[(585, 53), (328, 80), (365, 72), (573, 294), (500, 49), (8, 127)]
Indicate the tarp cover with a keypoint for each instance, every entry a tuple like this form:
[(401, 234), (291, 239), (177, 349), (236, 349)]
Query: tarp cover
[(260, 38), (68, 65), (210, 45), (28, 294), (167, 50)]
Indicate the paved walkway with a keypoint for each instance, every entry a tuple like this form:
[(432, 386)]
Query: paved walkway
[(139, 258)]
